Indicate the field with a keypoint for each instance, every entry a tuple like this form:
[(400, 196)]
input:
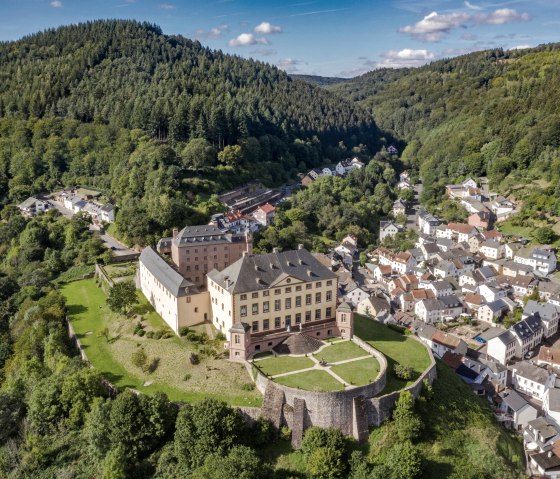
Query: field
[(217, 378), (396, 347), (340, 352), (284, 364), (358, 373), (120, 271)]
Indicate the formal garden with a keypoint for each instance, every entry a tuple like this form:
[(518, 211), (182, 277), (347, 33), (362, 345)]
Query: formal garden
[(339, 364), (138, 350)]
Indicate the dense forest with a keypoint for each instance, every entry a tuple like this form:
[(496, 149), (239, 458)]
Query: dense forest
[(493, 113), (159, 123)]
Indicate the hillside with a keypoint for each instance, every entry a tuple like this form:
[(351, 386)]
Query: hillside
[(159, 123), (318, 80), (493, 113)]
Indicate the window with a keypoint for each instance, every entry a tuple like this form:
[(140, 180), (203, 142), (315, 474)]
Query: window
[(255, 308), (308, 286), (308, 299), (237, 340), (266, 307), (215, 265), (196, 251), (266, 293), (277, 291), (243, 297), (255, 326), (196, 267), (188, 299), (343, 318), (196, 258), (288, 303), (254, 295), (307, 316), (298, 318), (329, 312), (243, 311), (317, 314), (329, 296), (298, 301), (329, 282), (288, 319), (266, 325), (188, 268), (288, 290), (317, 297), (277, 305), (195, 309), (318, 284), (298, 288), (277, 322)]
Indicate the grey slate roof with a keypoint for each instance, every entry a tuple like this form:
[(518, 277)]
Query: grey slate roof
[(451, 301), (262, 271), (165, 274), (426, 331), (29, 203), (205, 234), (107, 207), (546, 311), (514, 400), (532, 372), (506, 337), (527, 327), (554, 399)]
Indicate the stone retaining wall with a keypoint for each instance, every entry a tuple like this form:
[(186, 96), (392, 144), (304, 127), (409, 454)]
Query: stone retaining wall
[(106, 282)]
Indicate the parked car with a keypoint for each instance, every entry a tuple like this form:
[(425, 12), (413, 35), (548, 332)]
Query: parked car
[(530, 354)]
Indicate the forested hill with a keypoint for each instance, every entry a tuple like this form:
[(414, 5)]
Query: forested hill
[(319, 80), (494, 113), (159, 123), (131, 75)]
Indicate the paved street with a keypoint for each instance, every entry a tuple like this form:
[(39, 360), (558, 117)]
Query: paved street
[(413, 207)]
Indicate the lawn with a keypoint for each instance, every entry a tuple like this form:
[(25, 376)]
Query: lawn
[(396, 347), (213, 377), (340, 352), (358, 373), (283, 364), (315, 380), (74, 273), (121, 271)]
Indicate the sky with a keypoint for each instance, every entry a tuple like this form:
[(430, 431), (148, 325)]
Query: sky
[(342, 38)]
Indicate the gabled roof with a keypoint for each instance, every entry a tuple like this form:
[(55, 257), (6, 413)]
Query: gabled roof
[(453, 360), (514, 400), (267, 208), (445, 339), (170, 279), (532, 372), (546, 311), (527, 327), (258, 272)]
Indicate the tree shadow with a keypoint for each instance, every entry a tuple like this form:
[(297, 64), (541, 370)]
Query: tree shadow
[(74, 309), (114, 339)]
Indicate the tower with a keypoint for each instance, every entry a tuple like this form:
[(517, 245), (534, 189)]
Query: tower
[(345, 320), (240, 340)]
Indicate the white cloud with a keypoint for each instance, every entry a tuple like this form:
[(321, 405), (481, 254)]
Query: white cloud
[(215, 32), (472, 6), (56, 4), (434, 27), (405, 58), (266, 28), (289, 65), (167, 6), (501, 16), (247, 39), (264, 52)]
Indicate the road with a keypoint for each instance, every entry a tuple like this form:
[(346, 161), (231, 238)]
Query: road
[(413, 207)]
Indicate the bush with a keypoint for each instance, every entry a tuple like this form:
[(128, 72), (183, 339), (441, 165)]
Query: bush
[(208, 351), (192, 337), (150, 334), (140, 358), (194, 359), (187, 376), (140, 332), (158, 334), (248, 387), (203, 338), (286, 433), (403, 372), (183, 331), (220, 336)]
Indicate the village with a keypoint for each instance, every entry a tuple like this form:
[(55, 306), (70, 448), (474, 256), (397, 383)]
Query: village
[(486, 304)]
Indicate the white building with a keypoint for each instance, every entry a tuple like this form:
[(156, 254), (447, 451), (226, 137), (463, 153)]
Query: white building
[(532, 380), (547, 312), (388, 229), (502, 347), (542, 261)]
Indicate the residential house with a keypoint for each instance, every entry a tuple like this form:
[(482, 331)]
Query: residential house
[(541, 434), (551, 404), (514, 411), (492, 291), (355, 296), (399, 208), (546, 464), (348, 246), (372, 306), (480, 220), (531, 380), (403, 262), (521, 285), (529, 333), (392, 150), (438, 341), (542, 261), (315, 173), (502, 208), (493, 311), (427, 223), (548, 289), (491, 249), (265, 214), (548, 313), (502, 347), (441, 288), (326, 171), (307, 180), (461, 232), (343, 167), (33, 206), (382, 273), (445, 269), (513, 269), (473, 302), (429, 250), (436, 310), (511, 249), (388, 229), (549, 356)]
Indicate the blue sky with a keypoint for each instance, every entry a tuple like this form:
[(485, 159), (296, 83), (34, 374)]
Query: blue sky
[(322, 37)]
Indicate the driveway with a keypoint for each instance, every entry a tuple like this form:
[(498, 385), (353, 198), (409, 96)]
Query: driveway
[(119, 249), (413, 208)]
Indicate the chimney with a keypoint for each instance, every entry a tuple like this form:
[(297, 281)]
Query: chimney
[(275, 250), (175, 232), (300, 246)]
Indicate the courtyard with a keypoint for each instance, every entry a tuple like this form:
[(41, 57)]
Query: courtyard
[(339, 364)]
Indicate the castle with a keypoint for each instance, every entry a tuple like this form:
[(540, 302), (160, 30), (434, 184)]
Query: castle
[(257, 301)]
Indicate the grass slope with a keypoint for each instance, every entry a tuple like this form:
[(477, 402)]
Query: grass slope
[(461, 438), (396, 347), (358, 373), (216, 378), (340, 352), (315, 380), (283, 364)]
